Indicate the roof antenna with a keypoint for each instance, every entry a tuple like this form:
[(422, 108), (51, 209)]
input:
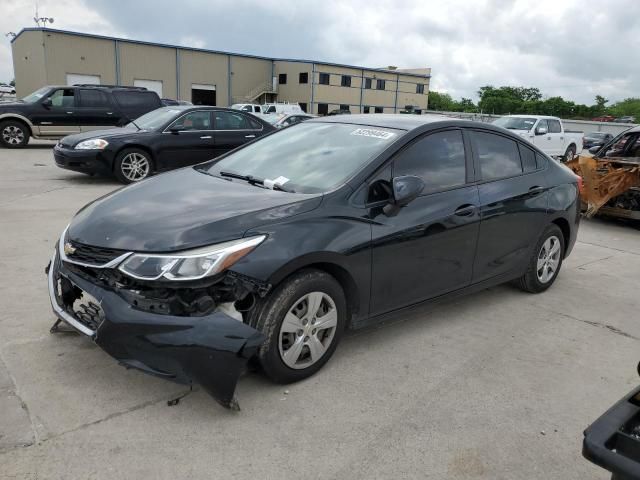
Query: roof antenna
[(39, 19)]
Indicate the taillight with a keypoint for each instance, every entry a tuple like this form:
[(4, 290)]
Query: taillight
[(580, 185)]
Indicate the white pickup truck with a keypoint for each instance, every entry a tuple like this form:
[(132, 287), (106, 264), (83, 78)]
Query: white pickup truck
[(546, 133)]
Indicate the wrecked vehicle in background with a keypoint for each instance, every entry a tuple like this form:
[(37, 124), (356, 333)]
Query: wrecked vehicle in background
[(271, 251), (611, 177)]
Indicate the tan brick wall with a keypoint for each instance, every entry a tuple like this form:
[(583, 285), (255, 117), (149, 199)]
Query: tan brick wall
[(204, 68), (28, 63), (147, 62)]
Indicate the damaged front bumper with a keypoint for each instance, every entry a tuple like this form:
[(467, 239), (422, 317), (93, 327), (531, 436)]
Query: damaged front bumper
[(211, 350), (613, 440)]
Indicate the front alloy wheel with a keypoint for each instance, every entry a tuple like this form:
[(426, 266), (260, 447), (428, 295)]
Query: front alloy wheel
[(132, 165), (13, 134)]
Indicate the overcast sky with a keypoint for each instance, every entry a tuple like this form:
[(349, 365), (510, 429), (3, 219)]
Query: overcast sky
[(572, 48)]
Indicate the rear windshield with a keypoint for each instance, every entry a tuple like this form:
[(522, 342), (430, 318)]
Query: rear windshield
[(308, 157)]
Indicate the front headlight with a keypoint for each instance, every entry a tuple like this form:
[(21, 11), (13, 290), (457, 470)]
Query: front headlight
[(191, 264), (93, 144)]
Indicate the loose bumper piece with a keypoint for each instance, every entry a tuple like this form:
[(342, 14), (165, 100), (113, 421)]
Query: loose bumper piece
[(210, 350), (613, 441)]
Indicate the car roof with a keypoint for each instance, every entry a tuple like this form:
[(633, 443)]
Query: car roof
[(385, 120)]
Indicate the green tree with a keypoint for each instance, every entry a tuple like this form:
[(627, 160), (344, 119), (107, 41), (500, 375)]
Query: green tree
[(440, 101)]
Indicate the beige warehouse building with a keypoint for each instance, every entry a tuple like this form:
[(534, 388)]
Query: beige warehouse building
[(43, 56)]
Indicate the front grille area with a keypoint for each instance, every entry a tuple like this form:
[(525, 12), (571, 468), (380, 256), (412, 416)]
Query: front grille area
[(76, 302), (93, 255)]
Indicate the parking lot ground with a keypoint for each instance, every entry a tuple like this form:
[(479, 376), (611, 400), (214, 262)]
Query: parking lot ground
[(496, 385)]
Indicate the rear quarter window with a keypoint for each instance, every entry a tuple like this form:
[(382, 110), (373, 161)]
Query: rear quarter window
[(137, 99)]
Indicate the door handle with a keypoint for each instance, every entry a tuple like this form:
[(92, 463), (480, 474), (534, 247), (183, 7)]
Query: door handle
[(536, 190), (109, 113), (206, 137), (249, 136), (70, 113), (465, 211)]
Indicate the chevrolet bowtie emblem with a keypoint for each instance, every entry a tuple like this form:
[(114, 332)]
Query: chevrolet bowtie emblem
[(69, 249)]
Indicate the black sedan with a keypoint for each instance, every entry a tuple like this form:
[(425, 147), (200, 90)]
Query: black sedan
[(164, 139), (596, 139), (272, 251)]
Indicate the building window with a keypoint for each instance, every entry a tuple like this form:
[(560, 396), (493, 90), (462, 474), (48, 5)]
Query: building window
[(323, 109), (380, 84), (282, 79), (324, 79), (367, 83), (346, 81), (379, 109), (303, 106), (304, 77), (420, 88), (344, 107), (366, 109)]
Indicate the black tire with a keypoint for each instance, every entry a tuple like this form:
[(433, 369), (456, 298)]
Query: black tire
[(569, 154), (269, 315), (123, 156), (14, 134), (530, 281)]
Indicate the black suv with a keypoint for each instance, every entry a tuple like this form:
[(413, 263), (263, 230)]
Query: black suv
[(54, 112)]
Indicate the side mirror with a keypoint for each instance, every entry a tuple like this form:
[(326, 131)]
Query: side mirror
[(541, 131), (175, 130), (46, 103), (405, 190), (595, 149)]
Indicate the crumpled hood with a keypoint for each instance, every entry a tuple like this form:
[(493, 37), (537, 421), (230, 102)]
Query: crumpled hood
[(180, 210)]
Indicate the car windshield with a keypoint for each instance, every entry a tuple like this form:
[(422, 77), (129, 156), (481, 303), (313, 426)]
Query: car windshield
[(155, 119), (309, 157), (515, 123), (596, 135), (35, 96)]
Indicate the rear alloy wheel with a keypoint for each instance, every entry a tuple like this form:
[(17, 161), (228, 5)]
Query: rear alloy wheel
[(570, 154), (303, 320), (545, 263), (13, 134), (132, 165)]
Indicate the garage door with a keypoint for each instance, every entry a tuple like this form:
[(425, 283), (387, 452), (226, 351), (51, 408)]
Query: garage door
[(74, 78), (153, 85)]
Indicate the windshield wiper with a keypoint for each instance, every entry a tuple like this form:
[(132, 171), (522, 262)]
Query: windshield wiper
[(253, 180)]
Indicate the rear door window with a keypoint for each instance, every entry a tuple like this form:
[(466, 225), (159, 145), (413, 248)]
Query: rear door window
[(231, 121), (499, 156), (90, 98), (438, 158)]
